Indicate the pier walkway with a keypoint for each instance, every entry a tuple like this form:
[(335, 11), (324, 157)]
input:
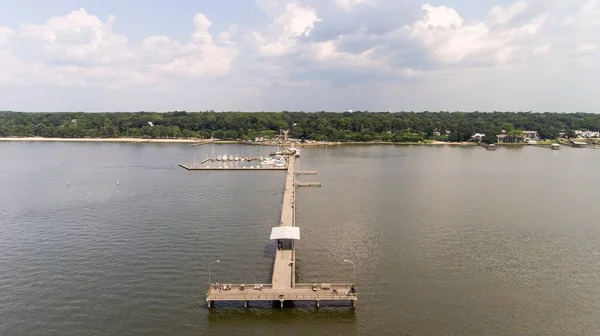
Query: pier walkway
[(285, 258), (283, 285)]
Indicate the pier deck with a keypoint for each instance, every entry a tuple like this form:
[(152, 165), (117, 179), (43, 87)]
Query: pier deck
[(284, 264), (283, 286), (302, 292)]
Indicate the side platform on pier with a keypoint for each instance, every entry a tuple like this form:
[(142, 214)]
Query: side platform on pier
[(335, 292)]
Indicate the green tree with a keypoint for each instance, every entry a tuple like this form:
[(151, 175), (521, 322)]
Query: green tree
[(231, 135), (218, 134)]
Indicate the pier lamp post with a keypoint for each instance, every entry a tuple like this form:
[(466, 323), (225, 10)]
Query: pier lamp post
[(354, 273), (216, 261)]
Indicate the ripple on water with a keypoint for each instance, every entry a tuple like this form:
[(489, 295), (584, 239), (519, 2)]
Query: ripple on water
[(440, 246)]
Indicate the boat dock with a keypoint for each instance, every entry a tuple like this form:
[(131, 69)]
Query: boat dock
[(230, 168), (283, 286), (308, 184), (307, 172), (238, 163)]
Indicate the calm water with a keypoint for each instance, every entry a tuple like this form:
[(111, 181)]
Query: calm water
[(447, 241)]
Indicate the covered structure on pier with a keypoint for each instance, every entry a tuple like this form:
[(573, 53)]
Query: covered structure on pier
[(285, 236)]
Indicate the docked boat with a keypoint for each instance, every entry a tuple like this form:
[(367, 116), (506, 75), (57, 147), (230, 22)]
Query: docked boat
[(237, 158), (555, 146), (268, 162), (491, 147)]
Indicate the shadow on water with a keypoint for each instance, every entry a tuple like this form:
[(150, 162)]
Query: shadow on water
[(294, 319), (269, 250)]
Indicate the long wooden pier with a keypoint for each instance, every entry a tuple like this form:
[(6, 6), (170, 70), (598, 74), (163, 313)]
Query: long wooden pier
[(283, 286), (285, 258)]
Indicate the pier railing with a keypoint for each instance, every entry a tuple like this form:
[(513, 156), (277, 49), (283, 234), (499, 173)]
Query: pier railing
[(237, 287), (319, 285), (286, 296)]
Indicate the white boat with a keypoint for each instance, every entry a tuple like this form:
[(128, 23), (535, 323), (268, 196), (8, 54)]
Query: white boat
[(230, 157), (555, 146), (224, 157), (237, 158)]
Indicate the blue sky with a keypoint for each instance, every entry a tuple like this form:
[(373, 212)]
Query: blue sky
[(311, 55)]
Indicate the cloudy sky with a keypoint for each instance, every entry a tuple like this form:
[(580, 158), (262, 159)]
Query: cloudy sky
[(334, 55)]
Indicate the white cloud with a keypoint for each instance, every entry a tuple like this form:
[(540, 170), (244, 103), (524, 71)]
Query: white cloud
[(393, 50), (78, 37), (450, 40), (198, 58), (5, 34), (542, 49), (439, 17), (502, 15), (296, 21), (350, 5), (81, 49), (585, 49)]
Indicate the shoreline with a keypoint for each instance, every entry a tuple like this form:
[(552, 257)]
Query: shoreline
[(125, 140), (212, 141), (199, 142)]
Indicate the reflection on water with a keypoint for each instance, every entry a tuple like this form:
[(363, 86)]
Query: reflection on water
[(295, 319), (446, 240)]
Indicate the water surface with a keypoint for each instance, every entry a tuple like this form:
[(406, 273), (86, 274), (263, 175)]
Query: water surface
[(446, 240)]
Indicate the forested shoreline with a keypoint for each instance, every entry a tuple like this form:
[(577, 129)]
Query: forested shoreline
[(319, 126)]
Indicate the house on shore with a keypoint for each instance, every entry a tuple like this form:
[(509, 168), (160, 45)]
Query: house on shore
[(522, 136), (531, 135), (477, 137), (587, 134), (505, 138)]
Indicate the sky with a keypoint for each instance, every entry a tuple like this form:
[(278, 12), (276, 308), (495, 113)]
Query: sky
[(304, 55)]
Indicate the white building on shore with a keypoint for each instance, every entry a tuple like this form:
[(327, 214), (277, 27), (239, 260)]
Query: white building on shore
[(587, 134)]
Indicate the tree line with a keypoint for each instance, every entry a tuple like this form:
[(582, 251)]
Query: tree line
[(320, 126)]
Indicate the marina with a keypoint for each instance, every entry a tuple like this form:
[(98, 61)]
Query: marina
[(246, 168), (231, 162), (283, 287)]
